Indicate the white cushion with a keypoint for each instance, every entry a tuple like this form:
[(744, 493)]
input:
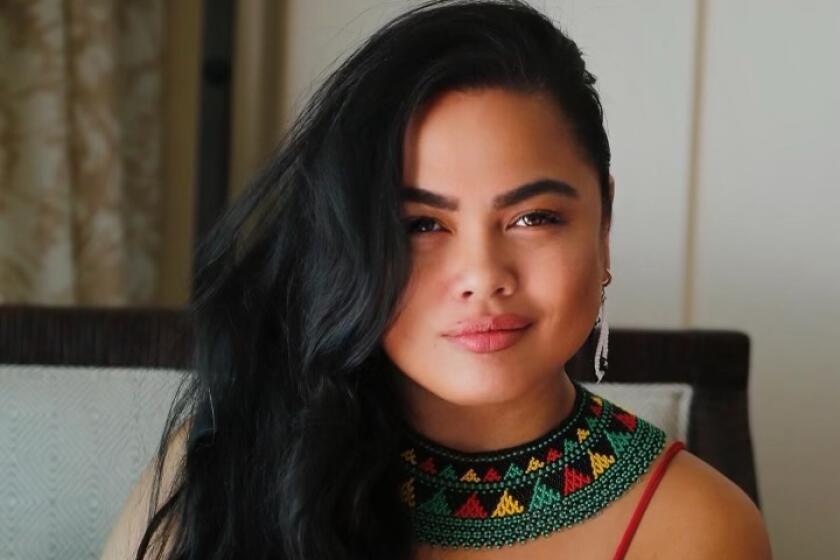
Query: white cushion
[(665, 405), (74, 439), (72, 442)]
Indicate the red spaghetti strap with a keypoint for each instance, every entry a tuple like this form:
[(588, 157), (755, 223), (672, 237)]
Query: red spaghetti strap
[(646, 496)]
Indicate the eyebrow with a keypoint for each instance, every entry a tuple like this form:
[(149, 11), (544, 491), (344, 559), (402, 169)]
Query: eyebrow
[(411, 193)]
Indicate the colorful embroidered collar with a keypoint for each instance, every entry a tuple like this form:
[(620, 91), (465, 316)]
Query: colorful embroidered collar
[(502, 497)]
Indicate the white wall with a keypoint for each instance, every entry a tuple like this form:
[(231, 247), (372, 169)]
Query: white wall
[(748, 242), (644, 70), (768, 245), (641, 54)]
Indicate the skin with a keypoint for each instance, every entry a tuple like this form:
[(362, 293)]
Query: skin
[(473, 146)]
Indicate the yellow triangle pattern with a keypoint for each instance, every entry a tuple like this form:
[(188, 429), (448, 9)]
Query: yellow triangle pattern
[(409, 456), (508, 505), (600, 462), (597, 400), (407, 492), (582, 434), (534, 464), (471, 476)]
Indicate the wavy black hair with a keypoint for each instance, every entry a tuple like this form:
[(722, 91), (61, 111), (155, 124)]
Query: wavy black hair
[(298, 282)]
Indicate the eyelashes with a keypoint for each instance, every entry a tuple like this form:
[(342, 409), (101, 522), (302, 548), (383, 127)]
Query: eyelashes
[(545, 217), (411, 225), (537, 218)]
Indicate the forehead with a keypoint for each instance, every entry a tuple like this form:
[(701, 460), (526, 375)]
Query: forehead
[(488, 140)]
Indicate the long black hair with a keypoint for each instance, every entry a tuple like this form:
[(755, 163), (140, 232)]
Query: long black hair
[(298, 282)]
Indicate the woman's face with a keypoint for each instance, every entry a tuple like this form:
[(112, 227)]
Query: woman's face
[(478, 249)]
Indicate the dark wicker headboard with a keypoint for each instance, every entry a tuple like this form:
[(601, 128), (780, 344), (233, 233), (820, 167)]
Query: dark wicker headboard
[(715, 363), (82, 336)]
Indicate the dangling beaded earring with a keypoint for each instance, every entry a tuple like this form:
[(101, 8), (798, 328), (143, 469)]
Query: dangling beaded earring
[(602, 349)]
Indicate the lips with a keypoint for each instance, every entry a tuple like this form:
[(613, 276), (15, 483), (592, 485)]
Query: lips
[(488, 333), (486, 323)]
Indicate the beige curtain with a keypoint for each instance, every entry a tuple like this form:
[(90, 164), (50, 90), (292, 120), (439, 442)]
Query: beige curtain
[(259, 66), (80, 150)]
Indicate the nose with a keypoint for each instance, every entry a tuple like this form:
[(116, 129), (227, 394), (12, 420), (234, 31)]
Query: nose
[(483, 271)]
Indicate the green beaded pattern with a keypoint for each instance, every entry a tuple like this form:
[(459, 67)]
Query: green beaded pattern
[(489, 499)]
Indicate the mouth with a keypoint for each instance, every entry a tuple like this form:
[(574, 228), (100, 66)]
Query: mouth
[(488, 341)]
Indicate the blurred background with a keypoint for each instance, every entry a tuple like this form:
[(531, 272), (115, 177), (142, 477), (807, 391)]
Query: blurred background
[(127, 126)]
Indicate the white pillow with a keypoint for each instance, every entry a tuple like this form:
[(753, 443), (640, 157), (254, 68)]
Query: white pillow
[(666, 405), (74, 439), (72, 442)]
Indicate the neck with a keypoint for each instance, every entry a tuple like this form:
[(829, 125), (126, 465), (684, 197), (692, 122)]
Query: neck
[(489, 427), (516, 493)]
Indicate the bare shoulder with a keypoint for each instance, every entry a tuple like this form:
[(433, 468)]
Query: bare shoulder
[(130, 524), (697, 513)]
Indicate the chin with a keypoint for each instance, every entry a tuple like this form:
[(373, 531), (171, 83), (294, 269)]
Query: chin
[(480, 388)]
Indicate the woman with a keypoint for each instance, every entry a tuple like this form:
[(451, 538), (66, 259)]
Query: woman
[(383, 319)]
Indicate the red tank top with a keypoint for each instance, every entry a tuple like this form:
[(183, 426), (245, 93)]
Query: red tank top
[(652, 483)]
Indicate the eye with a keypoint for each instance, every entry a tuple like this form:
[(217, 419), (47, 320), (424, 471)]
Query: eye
[(420, 225), (424, 224), (540, 217)]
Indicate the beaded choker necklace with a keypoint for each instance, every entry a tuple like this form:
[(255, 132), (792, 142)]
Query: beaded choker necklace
[(495, 498)]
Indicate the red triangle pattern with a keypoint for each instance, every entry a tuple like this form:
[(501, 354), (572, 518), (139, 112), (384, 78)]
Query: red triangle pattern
[(573, 480), (627, 419), (491, 475), (573, 475), (428, 465), (552, 455), (471, 508)]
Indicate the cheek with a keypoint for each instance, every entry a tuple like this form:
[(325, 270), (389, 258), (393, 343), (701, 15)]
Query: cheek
[(557, 285), (565, 274), (412, 315), (565, 287)]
